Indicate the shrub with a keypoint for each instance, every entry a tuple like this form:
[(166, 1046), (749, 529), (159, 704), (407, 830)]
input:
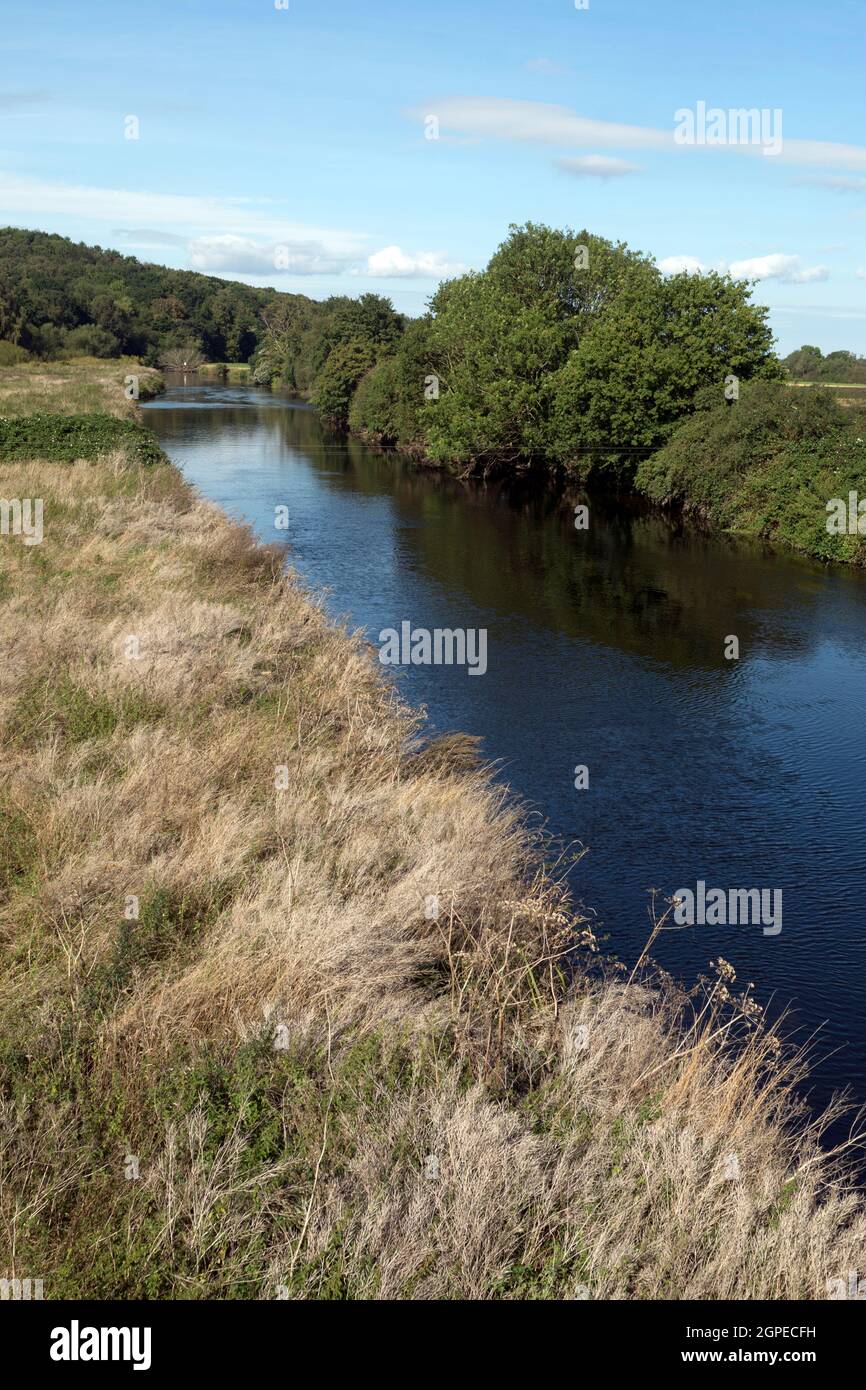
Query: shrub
[(766, 465), (64, 438), (11, 354)]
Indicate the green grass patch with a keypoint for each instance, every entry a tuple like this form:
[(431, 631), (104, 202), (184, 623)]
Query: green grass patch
[(65, 438), (61, 706)]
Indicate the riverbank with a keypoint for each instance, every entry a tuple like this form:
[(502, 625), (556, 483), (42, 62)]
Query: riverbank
[(778, 465), (286, 1010)]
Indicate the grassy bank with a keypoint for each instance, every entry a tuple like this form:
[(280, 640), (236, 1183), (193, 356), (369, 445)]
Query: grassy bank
[(225, 371), (244, 1052)]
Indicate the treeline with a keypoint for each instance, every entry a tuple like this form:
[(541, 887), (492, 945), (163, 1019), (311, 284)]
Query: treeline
[(573, 352), (810, 364), (568, 349), (59, 298)]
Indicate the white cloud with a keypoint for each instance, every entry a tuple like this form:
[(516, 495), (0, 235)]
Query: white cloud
[(787, 268), (778, 266), (392, 261), (221, 254), (861, 272), (542, 123), (675, 265), (536, 122), (147, 237), (596, 166)]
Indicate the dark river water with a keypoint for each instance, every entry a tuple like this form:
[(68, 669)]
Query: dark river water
[(605, 649)]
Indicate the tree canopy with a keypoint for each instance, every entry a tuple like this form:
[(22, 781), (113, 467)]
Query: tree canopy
[(59, 297)]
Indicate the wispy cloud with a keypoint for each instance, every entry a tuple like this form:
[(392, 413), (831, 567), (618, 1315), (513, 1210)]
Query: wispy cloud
[(147, 236), (543, 123), (220, 236), (14, 101), (840, 183), (188, 215), (547, 68), (596, 166)]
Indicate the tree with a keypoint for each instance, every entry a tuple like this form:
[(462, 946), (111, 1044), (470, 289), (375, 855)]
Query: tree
[(637, 372), (805, 363), (337, 380)]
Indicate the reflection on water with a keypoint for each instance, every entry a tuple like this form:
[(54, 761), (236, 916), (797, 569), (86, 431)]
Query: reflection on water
[(605, 648)]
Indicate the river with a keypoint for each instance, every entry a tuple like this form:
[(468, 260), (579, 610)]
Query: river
[(606, 649)]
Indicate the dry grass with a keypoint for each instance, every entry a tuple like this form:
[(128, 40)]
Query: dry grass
[(327, 1092), (70, 388)]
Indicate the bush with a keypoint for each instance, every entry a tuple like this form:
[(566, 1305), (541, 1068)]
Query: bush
[(713, 450), (766, 465), (91, 341), (11, 354), (64, 438), (390, 403)]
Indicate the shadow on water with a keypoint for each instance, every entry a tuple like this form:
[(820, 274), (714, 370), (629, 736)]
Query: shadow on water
[(606, 648)]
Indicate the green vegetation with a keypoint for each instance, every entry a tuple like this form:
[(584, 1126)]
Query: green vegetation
[(575, 354), (324, 350), (59, 298), (766, 465), (64, 438), (539, 359), (836, 368), (568, 353)]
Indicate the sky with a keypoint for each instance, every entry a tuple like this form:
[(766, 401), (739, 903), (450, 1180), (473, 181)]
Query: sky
[(339, 146)]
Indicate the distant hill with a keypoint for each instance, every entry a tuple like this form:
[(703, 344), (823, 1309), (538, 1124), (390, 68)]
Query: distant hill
[(59, 297)]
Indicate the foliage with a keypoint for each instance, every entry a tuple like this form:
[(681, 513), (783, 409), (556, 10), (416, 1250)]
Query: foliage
[(568, 349), (64, 438), (58, 297), (11, 355), (639, 370), (342, 370), (809, 363), (767, 464), (389, 402)]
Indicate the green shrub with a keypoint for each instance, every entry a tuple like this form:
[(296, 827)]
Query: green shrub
[(766, 465), (64, 438), (11, 354), (713, 449)]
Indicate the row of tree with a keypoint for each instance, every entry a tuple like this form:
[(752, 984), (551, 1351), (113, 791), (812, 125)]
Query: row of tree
[(58, 298), (567, 348), (811, 364)]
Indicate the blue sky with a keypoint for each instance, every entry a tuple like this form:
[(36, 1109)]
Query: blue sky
[(288, 146)]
